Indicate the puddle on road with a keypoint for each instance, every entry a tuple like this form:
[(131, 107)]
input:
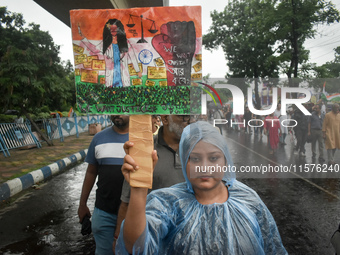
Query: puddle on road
[(46, 237)]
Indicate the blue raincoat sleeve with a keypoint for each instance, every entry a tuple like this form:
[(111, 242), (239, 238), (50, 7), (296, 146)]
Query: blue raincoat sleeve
[(270, 233), (158, 223), (272, 243)]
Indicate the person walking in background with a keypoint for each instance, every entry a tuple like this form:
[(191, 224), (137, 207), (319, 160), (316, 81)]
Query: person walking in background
[(284, 129), (233, 120), (105, 160), (259, 124), (228, 116), (218, 115), (239, 122), (300, 130), (247, 116), (323, 108), (331, 132), (273, 129), (277, 112), (315, 131)]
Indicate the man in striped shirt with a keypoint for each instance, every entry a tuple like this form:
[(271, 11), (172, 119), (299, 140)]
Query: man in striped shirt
[(105, 159)]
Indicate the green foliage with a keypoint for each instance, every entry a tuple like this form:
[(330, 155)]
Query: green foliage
[(331, 69), (329, 73), (65, 113), (243, 30), (224, 94), (44, 109), (262, 38), (31, 74), (7, 118), (41, 115), (296, 21)]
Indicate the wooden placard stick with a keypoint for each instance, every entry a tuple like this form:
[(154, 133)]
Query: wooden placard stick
[(140, 133)]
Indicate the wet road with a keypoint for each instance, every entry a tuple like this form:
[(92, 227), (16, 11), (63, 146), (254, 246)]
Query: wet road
[(305, 204), (45, 221)]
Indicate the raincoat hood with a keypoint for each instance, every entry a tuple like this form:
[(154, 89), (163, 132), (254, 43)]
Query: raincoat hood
[(203, 131)]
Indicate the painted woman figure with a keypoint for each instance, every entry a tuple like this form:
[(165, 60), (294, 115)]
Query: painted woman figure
[(116, 50)]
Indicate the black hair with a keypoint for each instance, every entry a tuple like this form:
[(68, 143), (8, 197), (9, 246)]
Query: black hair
[(121, 36)]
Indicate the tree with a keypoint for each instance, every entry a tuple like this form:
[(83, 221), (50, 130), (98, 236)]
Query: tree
[(295, 22), (332, 68), (244, 30), (31, 74), (61, 94), (262, 38), (329, 73)]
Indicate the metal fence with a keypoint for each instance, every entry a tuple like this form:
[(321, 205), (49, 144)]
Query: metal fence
[(58, 128), (16, 135)]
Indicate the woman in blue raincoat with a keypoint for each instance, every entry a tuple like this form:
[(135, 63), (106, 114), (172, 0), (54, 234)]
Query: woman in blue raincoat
[(211, 213)]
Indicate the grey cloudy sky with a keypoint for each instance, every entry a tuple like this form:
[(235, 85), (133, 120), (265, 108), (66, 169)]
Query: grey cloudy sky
[(214, 63)]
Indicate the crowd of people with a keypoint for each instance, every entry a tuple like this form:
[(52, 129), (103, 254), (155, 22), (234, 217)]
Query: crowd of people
[(321, 128), (186, 212)]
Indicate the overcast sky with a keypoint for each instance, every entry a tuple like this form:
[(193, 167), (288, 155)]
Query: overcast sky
[(214, 62)]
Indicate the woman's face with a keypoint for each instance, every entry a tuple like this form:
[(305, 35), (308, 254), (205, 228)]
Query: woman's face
[(205, 166), (113, 30)]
